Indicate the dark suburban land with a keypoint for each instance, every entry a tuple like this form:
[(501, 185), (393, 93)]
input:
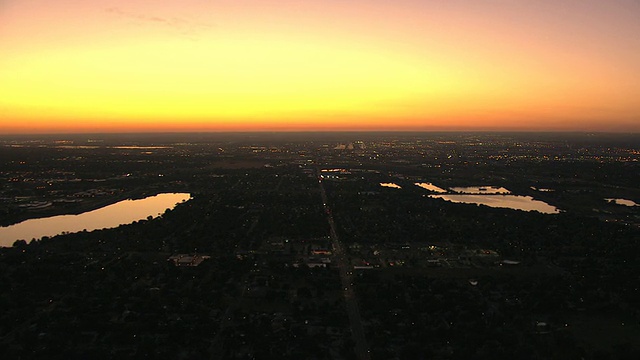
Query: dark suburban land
[(291, 248)]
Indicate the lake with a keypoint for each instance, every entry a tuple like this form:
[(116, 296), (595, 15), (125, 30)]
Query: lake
[(516, 202), (480, 190), (431, 187), (110, 216), (624, 202)]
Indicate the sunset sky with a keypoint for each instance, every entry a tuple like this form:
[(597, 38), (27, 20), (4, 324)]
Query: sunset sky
[(245, 65)]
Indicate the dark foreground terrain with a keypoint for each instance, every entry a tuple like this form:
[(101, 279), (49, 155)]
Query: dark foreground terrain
[(290, 248)]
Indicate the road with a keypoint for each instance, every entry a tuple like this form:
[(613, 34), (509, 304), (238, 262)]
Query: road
[(346, 278)]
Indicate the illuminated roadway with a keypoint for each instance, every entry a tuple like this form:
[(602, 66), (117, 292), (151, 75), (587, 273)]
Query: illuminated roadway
[(346, 278)]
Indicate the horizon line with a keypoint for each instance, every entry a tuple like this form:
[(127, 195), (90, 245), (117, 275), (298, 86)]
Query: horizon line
[(186, 132)]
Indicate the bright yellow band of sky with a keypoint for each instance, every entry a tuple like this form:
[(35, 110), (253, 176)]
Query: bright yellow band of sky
[(352, 65)]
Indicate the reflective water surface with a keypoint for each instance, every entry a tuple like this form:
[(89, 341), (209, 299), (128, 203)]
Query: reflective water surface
[(480, 190), (391, 185), (517, 202), (123, 212), (431, 187), (624, 202)]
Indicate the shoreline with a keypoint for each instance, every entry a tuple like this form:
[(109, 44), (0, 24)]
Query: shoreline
[(76, 210), (66, 222)]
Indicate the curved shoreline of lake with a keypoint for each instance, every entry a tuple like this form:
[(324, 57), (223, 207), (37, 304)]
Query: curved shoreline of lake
[(515, 202), (109, 216), (86, 205)]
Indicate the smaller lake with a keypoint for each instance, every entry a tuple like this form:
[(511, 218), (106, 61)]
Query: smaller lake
[(516, 202), (480, 190), (431, 187), (624, 202), (391, 185), (110, 216)]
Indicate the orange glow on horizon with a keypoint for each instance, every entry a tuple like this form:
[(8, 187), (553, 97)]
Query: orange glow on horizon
[(112, 66)]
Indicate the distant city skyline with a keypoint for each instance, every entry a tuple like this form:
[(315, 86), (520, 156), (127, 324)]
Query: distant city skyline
[(355, 65)]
